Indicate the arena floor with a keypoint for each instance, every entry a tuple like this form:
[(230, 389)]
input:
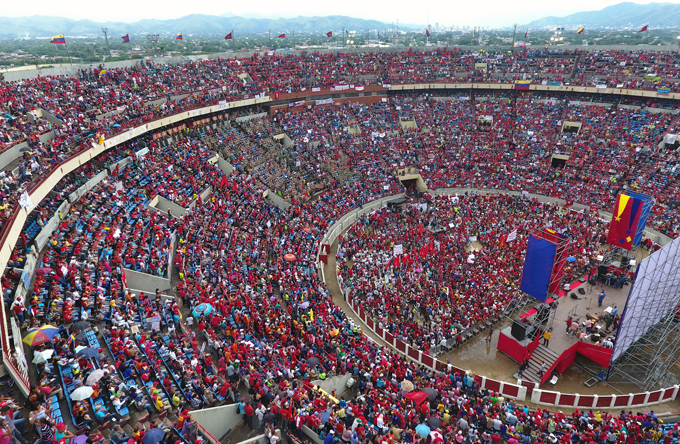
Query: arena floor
[(481, 356)]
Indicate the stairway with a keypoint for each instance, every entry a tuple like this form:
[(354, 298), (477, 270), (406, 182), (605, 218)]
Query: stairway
[(539, 356), (574, 70)]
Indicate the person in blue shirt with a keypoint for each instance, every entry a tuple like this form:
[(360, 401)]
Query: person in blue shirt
[(241, 407), (329, 438)]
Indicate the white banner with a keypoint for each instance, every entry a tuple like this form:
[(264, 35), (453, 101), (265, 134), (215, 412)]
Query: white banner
[(316, 89), (222, 104), (512, 236), (141, 152), (323, 102), (398, 249), (359, 88), (25, 201)]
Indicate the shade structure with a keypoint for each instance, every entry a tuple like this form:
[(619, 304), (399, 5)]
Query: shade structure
[(42, 356), (80, 326), (202, 309), (41, 335), (94, 377), (81, 393), (407, 386), (153, 436), (422, 430), (87, 353)]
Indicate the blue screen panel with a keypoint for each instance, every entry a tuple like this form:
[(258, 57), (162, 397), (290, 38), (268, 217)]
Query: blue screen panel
[(538, 268)]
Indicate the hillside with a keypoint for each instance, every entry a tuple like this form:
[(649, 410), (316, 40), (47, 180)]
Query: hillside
[(620, 15), (47, 26)]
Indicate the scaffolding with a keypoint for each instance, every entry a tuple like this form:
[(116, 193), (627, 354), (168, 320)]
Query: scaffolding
[(647, 345)]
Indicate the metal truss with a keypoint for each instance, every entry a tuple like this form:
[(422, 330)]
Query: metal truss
[(649, 332)]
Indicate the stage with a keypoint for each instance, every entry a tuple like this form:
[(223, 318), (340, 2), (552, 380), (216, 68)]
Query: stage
[(563, 347)]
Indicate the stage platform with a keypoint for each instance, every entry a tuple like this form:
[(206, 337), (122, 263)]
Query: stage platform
[(563, 347)]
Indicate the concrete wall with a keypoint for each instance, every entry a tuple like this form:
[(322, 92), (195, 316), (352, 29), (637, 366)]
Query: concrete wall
[(10, 155), (163, 204), (218, 421), (251, 117), (204, 195), (276, 199), (146, 282), (46, 232), (85, 188), (337, 383)]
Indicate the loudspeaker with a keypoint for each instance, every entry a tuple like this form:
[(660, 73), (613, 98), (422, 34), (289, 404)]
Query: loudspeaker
[(602, 272), (532, 332), (542, 313), (573, 296), (518, 330), (581, 291)]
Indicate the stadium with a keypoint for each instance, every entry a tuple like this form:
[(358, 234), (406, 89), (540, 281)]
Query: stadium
[(439, 245)]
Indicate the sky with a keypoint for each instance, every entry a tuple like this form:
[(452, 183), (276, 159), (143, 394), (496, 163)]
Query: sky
[(491, 13)]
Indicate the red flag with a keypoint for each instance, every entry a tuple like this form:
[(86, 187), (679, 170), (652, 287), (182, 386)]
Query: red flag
[(228, 36), (329, 34), (644, 28)]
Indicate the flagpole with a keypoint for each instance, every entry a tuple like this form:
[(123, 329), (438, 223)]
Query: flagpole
[(233, 40), (67, 53)]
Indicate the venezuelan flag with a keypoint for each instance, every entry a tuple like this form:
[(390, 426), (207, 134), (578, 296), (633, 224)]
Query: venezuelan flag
[(580, 30), (282, 36), (427, 32), (522, 84), (179, 36), (58, 39), (126, 38), (625, 219)]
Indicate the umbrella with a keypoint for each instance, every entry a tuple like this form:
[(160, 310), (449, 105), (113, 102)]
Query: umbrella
[(202, 309), (431, 393), (407, 386), (421, 429), (80, 439), (115, 125), (43, 271), (94, 377), (81, 393), (304, 305), (87, 353), (289, 257), (313, 361), (80, 325), (571, 258), (80, 336), (153, 436), (435, 422), (41, 335), (80, 347), (42, 356), (417, 397)]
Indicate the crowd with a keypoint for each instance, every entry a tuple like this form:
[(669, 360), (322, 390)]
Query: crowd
[(247, 268), (435, 291)]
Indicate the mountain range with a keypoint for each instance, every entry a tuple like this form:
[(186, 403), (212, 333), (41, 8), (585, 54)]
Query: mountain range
[(47, 26), (620, 15)]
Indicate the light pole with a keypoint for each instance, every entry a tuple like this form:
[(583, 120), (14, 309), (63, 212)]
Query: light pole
[(105, 31), (153, 38), (514, 33), (678, 37)]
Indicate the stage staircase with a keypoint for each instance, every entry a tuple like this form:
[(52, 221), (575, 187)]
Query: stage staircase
[(539, 356)]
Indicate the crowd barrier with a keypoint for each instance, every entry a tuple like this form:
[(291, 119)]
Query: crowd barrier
[(517, 391), (37, 191)]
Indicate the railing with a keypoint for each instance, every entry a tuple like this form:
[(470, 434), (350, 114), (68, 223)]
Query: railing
[(519, 392)]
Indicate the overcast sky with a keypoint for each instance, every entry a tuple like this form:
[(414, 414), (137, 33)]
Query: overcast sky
[(490, 13)]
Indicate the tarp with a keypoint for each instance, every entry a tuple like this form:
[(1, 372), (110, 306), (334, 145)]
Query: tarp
[(538, 268)]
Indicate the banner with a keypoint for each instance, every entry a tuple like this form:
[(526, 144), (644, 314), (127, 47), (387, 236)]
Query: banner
[(359, 88), (663, 91), (398, 249), (522, 84), (323, 102), (625, 218), (25, 201), (316, 89), (538, 267)]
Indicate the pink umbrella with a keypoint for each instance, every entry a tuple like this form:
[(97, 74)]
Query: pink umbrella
[(43, 271)]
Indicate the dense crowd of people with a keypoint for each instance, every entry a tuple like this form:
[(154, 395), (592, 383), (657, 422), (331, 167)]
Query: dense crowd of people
[(252, 323), (434, 291)]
